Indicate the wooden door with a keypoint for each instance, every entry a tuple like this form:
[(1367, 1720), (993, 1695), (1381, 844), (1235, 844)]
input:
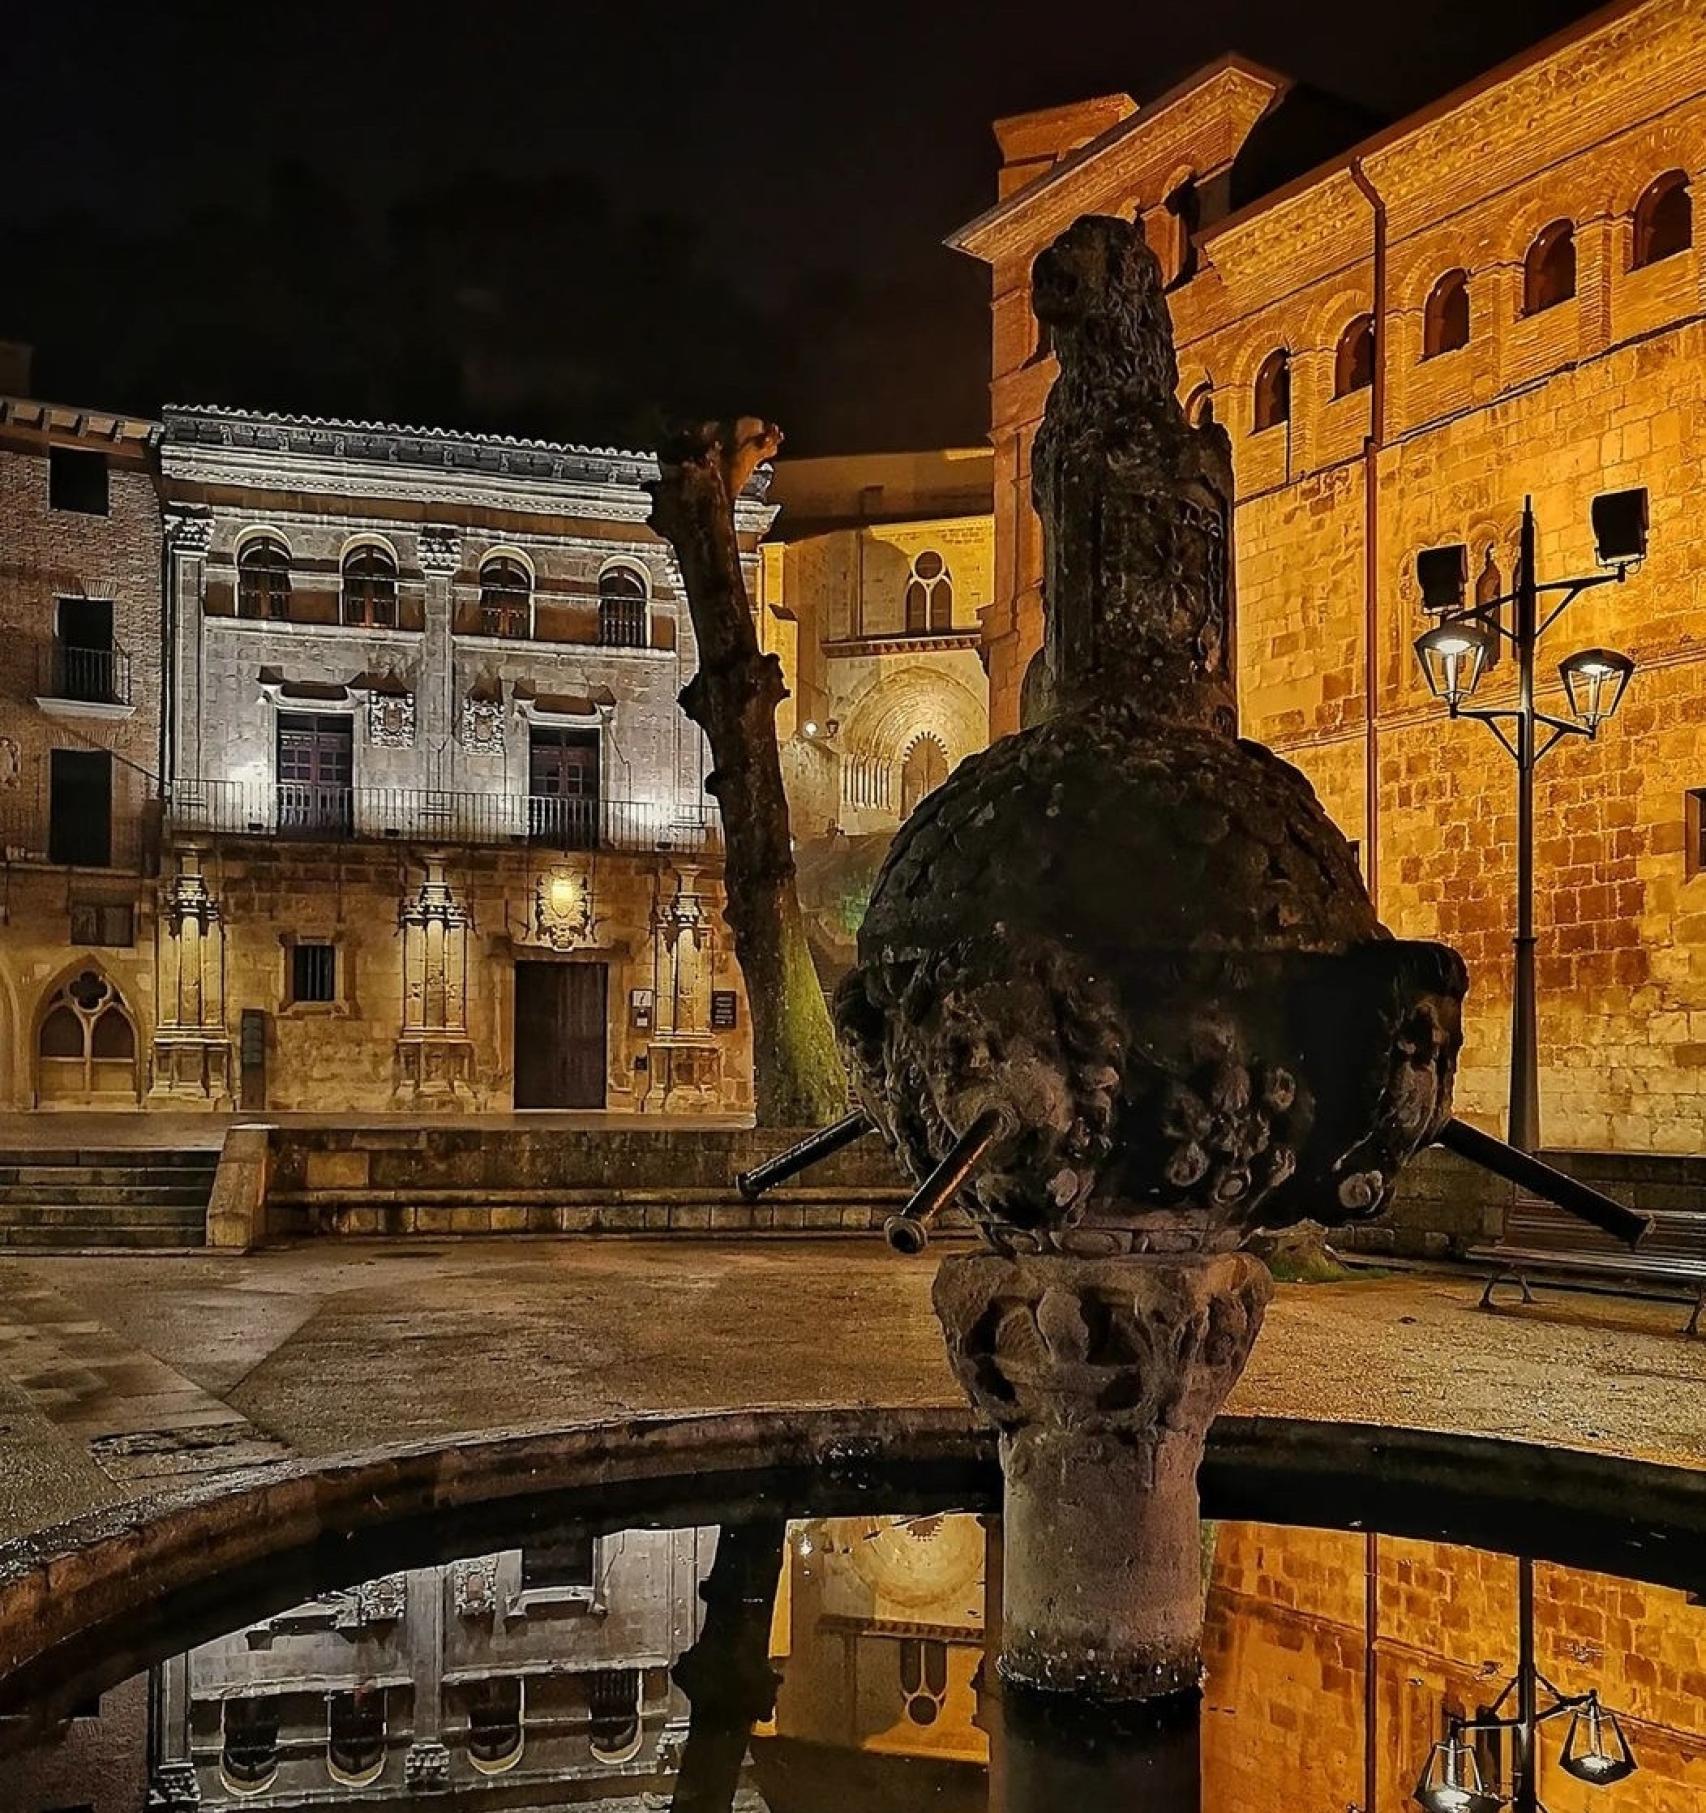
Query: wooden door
[(563, 787), (560, 1034), (316, 771)]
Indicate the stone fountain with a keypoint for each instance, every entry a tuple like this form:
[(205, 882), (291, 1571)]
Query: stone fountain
[(1121, 994)]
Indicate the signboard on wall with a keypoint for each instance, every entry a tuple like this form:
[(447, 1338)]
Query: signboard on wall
[(725, 1010)]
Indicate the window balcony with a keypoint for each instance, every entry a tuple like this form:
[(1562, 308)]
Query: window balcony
[(86, 682), (299, 811)]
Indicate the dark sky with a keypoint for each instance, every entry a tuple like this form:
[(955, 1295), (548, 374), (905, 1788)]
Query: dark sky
[(580, 218)]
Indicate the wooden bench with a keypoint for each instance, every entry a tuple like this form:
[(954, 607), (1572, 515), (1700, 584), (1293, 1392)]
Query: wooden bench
[(1539, 1237)]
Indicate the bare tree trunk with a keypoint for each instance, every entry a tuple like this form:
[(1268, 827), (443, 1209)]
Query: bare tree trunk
[(733, 697)]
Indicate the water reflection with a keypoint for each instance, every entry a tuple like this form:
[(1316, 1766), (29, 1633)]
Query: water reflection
[(795, 1667)]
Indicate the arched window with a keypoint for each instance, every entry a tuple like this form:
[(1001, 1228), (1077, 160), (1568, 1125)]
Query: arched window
[(1549, 270), (1445, 321), (923, 771), (263, 578), (1353, 366), (929, 593), (87, 1042), (370, 587), (1184, 207), (1199, 406), (613, 1703), (248, 1742), (923, 1678), (622, 609), (506, 598), (1664, 220), (495, 1729), (1273, 390), (355, 1735)]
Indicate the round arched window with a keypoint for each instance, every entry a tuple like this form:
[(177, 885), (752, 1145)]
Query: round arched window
[(263, 578), (1549, 270), (622, 609), (506, 598), (1664, 220), (1271, 403), (370, 587), (1445, 320)]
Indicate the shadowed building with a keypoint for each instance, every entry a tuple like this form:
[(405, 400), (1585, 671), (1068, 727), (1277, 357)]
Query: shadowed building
[(1495, 298)]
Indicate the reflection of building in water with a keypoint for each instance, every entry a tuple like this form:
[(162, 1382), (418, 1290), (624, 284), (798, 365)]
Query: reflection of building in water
[(878, 1636), (545, 1666)]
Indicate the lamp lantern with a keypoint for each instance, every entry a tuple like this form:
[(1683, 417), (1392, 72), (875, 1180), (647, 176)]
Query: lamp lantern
[(1620, 527), (1453, 658), (1450, 1781), (1595, 680), (1595, 1749)]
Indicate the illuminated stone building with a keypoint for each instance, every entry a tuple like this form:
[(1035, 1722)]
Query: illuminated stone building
[(871, 590), (428, 823), (1500, 296), (531, 1678), (80, 729)]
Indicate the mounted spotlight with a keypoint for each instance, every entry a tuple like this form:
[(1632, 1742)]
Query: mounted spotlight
[(1595, 1749), (1450, 1781), (1595, 680), (1620, 527), (810, 727), (1453, 658)]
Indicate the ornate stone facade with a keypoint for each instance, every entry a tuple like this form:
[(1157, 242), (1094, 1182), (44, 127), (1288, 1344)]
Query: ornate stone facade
[(1355, 458)]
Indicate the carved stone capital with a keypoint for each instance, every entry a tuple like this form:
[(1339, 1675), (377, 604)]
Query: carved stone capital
[(426, 1767), (1139, 1347), (173, 1788), (189, 534), (1103, 1376), (440, 551)]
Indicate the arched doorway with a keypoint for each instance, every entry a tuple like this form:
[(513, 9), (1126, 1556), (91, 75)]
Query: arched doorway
[(923, 771), (86, 1045)]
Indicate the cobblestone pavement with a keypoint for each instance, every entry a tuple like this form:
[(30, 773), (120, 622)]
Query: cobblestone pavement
[(118, 1374)]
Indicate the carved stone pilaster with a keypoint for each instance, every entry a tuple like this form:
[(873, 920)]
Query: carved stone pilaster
[(1103, 1376)]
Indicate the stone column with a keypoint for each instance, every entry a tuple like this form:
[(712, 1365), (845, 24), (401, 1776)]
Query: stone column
[(1103, 1376), (187, 537)]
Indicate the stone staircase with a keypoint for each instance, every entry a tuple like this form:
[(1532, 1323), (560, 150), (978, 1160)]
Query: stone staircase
[(117, 1196)]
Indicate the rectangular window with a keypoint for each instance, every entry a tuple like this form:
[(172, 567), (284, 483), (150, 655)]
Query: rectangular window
[(77, 481), (80, 811), (98, 922), (313, 972), (1442, 573)]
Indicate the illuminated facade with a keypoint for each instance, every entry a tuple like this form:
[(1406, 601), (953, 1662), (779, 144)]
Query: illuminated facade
[(425, 826), (1502, 296), (871, 591)]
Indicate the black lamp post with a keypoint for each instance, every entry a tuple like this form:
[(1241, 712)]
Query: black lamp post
[(1595, 1750), (1454, 656)]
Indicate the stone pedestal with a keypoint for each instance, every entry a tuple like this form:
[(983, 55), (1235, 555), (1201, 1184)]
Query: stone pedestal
[(1103, 1376)]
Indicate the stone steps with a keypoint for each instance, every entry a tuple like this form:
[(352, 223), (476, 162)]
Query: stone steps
[(122, 1196)]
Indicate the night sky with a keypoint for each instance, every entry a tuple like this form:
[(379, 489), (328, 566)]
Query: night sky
[(586, 218)]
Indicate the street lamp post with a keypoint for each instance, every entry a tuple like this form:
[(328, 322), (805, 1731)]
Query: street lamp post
[(1594, 1752), (1454, 656)]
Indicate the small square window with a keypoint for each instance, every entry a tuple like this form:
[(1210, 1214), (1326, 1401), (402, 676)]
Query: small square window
[(313, 972), (77, 480), (99, 922)]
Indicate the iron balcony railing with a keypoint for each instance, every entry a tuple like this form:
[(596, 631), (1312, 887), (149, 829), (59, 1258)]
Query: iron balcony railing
[(89, 676), (295, 809)]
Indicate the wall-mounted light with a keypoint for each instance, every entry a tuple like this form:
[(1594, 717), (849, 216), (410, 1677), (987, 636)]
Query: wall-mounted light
[(810, 727), (1620, 527)]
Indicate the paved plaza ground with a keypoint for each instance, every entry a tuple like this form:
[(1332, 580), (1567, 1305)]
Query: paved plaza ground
[(123, 1375)]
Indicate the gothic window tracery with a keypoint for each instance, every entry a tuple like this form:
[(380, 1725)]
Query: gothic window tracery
[(263, 578), (929, 593), (87, 1041), (1664, 220)]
